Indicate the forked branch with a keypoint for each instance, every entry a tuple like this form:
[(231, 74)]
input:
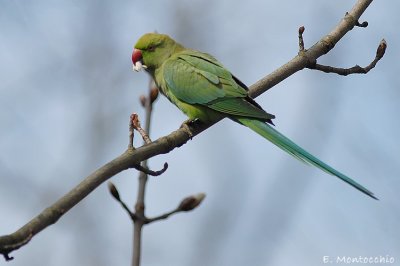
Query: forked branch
[(380, 52)]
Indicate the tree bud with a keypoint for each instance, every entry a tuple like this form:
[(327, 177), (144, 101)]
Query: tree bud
[(191, 202), (301, 30), (143, 100), (113, 190), (153, 94), (381, 49)]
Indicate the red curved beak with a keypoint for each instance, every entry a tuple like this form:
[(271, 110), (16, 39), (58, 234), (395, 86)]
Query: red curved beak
[(136, 56)]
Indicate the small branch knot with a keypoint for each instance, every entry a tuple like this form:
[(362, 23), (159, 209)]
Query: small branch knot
[(139, 207), (327, 43)]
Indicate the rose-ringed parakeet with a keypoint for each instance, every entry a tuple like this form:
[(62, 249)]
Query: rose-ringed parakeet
[(204, 89)]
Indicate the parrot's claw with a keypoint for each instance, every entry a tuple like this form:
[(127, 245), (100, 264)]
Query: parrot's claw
[(186, 126)]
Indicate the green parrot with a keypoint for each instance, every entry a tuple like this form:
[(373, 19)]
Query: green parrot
[(204, 89)]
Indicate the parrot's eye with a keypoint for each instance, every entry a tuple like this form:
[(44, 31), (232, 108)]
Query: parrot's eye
[(151, 48)]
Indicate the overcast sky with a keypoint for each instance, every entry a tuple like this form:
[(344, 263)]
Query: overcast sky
[(67, 90)]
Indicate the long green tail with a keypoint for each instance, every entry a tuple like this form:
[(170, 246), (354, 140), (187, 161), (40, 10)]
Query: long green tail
[(293, 149)]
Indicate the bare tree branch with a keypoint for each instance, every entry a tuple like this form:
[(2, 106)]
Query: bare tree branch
[(355, 69), (309, 57), (131, 158)]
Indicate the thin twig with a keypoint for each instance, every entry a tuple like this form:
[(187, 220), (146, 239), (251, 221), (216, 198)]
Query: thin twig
[(163, 216), (131, 214), (131, 133), (136, 125), (147, 171), (187, 204), (301, 41), (355, 69), (114, 192)]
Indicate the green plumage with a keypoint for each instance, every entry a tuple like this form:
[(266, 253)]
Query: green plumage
[(293, 149), (204, 89)]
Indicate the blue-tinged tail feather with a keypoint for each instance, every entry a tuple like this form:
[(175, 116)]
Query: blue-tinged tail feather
[(271, 134)]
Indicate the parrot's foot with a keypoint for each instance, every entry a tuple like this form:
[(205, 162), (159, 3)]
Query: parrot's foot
[(186, 126)]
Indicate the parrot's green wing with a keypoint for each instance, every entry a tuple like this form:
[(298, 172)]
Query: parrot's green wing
[(197, 78)]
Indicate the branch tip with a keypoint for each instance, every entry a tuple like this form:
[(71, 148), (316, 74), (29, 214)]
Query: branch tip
[(361, 25), (151, 172), (380, 52), (131, 133), (113, 191), (301, 40), (191, 202), (301, 30), (134, 120)]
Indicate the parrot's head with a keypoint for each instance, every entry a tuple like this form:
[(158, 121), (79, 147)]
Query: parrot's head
[(151, 50)]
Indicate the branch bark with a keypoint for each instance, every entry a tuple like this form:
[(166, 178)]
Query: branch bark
[(133, 157)]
